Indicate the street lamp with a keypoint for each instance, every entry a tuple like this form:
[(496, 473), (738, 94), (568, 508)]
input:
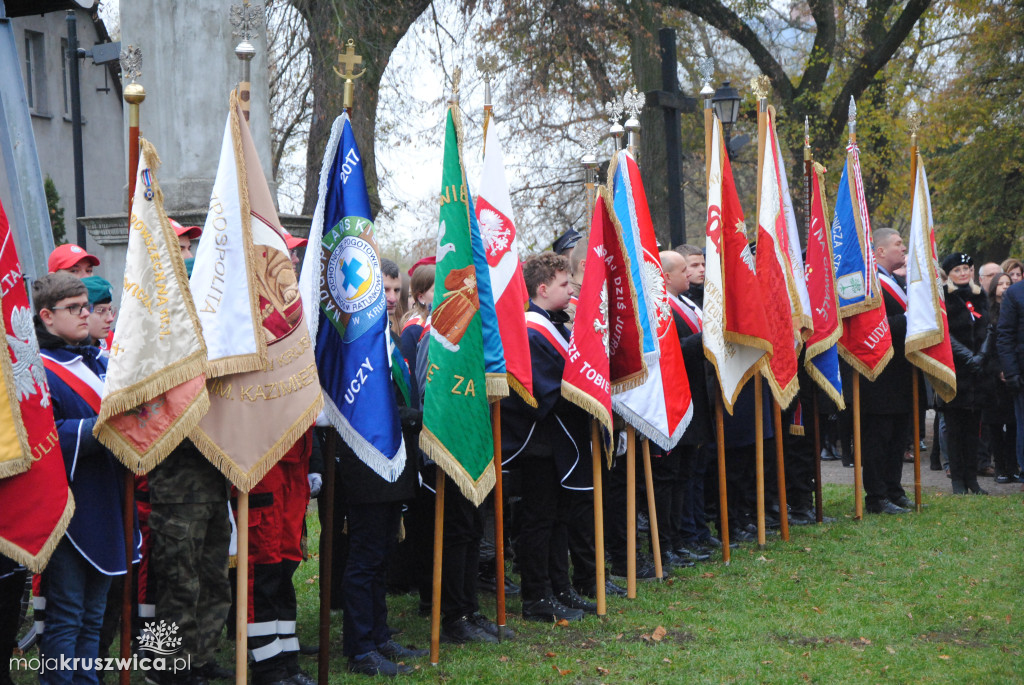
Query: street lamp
[(726, 103)]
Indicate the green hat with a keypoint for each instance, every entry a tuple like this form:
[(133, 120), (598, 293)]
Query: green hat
[(99, 289), (188, 265)]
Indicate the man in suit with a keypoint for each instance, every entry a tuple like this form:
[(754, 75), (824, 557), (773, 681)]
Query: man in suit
[(887, 402), (1010, 344)]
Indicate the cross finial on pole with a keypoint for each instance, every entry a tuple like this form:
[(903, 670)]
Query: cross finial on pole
[(348, 61)]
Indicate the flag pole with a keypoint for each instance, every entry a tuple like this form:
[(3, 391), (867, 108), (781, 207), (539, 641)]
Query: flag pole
[(134, 94), (858, 475), (633, 102), (780, 472), (323, 660), (599, 579), (707, 69), (762, 130), (819, 514), (915, 122), (630, 512), (244, 22), (435, 605), (591, 137), (499, 521), (652, 513)]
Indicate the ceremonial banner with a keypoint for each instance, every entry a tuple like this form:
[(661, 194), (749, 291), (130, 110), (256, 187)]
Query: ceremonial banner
[(264, 392), (494, 349), (928, 346), (736, 334), (493, 212), (342, 272), (456, 419), (822, 357), (35, 503), (155, 390), (783, 290), (866, 343), (661, 408), (606, 348)]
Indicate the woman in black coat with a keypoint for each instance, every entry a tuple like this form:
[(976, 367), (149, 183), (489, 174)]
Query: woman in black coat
[(997, 412), (967, 311)]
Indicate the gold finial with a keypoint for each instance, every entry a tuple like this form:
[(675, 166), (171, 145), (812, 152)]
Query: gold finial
[(348, 61), (761, 86), (456, 80), (914, 120), (131, 63)]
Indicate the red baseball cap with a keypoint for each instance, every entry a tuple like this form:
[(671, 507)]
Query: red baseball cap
[(192, 232), (67, 255), (292, 242), (432, 259)]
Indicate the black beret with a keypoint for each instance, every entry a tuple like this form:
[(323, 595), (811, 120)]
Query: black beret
[(956, 259)]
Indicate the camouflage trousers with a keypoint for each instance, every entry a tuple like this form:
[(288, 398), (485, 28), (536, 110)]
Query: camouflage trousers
[(189, 566)]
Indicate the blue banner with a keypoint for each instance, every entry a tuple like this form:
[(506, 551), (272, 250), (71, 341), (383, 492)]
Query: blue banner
[(851, 243), (342, 268)]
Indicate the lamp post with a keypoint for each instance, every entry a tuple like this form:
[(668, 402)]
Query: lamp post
[(726, 103)]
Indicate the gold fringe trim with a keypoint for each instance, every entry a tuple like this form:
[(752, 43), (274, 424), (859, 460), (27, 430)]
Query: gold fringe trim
[(823, 383), (12, 467), (920, 341), (497, 386), (783, 395), (862, 368), (746, 340), (515, 385), (942, 378), (239, 363), (730, 402), (633, 380), (24, 463), (587, 403), (247, 480), (796, 430), (156, 384), (127, 453), (37, 562), (475, 491)]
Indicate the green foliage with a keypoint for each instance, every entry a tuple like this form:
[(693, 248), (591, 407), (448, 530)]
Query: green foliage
[(56, 211), (978, 174)]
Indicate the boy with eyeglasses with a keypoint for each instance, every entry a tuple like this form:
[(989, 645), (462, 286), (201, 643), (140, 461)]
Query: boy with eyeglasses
[(77, 578)]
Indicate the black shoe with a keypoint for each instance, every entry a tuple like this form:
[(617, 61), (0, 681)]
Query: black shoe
[(396, 652), (741, 536), (975, 489), (463, 630), (644, 571), (374, 663), (572, 599), (695, 554), (670, 559), (848, 463), (301, 678), (549, 610), (1003, 480), (214, 671), (801, 517), (643, 525), (903, 501), (885, 507), (488, 583), (610, 590), (490, 627)]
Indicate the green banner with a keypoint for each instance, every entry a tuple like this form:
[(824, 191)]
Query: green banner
[(456, 417)]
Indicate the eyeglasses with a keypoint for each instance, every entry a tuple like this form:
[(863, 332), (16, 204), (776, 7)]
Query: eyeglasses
[(104, 310), (74, 309)]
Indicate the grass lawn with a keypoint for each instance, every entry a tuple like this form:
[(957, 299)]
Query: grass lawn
[(930, 598)]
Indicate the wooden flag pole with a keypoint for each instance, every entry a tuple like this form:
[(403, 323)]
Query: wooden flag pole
[(819, 514), (435, 605), (499, 521), (652, 512), (599, 578), (134, 94), (630, 512), (723, 496), (916, 402), (858, 476), (780, 468), (759, 457), (323, 660), (242, 590)]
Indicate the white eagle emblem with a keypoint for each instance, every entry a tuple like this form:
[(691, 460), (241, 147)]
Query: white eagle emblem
[(495, 234), (27, 365), (601, 323), (656, 291)]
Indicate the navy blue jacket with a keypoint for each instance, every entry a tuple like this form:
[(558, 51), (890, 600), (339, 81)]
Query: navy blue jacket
[(95, 476), (1010, 331)]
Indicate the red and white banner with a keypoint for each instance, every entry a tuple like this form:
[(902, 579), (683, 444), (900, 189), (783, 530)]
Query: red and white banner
[(508, 289), (36, 502), (928, 346), (736, 333), (783, 290), (606, 348)]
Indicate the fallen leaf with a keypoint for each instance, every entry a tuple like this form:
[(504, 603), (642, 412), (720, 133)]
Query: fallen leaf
[(944, 656), (816, 609), (707, 574), (806, 654), (550, 654), (602, 670), (766, 662), (910, 615), (658, 634), (666, 661), (503, 659), (563, 671), (890, 649), (562, 623)]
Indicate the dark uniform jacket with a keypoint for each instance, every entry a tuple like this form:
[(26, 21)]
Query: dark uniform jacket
[(692, 344), (1010, 331), (891, 393), (967, 312)]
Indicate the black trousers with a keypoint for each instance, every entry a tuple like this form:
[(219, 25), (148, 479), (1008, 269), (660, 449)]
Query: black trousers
[(538, 513), (962, 426), (572, 539), (740, 480), (883, 441), (664, 474), (614, 480), (800, 471), (372, 531), (12, 587), (1004, 447)]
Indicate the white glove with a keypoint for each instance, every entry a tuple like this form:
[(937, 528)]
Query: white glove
[(315, 483), (321, 421), (620, 444)]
